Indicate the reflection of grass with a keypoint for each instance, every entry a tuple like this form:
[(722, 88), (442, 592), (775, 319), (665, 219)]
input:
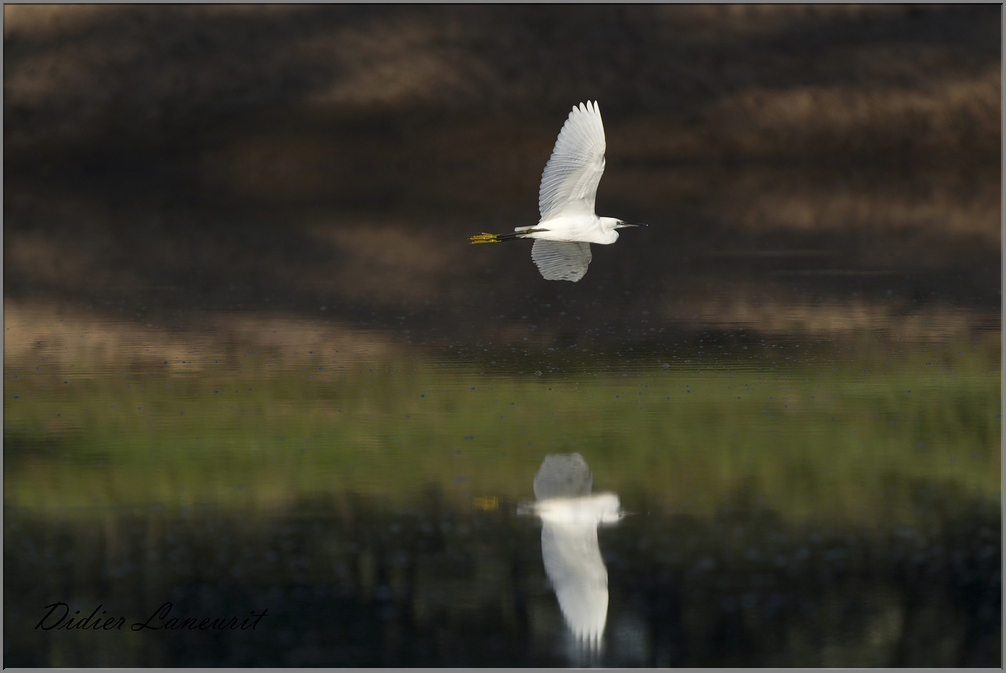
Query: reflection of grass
[(829, 437)]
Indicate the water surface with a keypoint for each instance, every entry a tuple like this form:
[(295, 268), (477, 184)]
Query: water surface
[(795, 499)]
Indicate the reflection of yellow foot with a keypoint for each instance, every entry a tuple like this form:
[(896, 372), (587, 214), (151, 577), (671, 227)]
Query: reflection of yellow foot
[(485, 238), (489, 504)]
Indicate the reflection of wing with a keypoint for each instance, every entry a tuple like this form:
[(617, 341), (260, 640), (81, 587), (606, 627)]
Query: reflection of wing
[(563, 475), (573, 561), (561, 260), (569, 181), (573, 564)]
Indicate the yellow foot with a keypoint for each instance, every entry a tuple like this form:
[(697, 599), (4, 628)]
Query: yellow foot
[(484, 238)]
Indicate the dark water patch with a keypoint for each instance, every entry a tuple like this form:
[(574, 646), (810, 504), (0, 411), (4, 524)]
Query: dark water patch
[(349, 582)]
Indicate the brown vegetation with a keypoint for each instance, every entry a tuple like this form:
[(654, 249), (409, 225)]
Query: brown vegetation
[(284, 158), (693, 81)]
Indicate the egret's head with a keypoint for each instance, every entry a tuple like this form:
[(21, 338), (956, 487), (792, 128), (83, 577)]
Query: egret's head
[(610, 224)]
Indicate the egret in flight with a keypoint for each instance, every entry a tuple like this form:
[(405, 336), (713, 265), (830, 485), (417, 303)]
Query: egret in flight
[(568, 224)]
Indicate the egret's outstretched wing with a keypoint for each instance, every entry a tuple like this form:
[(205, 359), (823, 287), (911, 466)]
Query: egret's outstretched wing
[(561, 260), (573, 564), (569, 181)]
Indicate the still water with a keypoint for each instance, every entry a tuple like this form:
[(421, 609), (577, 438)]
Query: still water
[(372, 446)]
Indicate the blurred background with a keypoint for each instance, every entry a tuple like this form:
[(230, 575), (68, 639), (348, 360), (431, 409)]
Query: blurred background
[(250, 358), (286, 158)]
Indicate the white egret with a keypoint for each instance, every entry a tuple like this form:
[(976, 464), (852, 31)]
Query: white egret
[(572, 559), (570, 516), (568, 224)]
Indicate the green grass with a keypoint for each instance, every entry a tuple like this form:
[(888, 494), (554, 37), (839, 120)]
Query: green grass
[(814, 434)]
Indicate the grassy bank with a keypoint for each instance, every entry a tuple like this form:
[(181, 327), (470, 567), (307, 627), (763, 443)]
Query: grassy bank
[(809, 432)]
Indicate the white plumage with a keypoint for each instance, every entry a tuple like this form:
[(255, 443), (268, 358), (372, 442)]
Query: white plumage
[(566, 201), (569, 181), (573, 562), (570, 553)]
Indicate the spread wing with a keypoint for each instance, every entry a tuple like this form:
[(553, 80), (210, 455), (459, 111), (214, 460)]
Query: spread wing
[(569, 181), (573, 564), (563, 475), (561, 260)]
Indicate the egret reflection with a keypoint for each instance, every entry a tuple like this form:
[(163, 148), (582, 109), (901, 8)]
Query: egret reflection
[(570, 516)]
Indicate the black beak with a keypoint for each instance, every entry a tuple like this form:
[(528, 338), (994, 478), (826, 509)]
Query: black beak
[(623, 225)]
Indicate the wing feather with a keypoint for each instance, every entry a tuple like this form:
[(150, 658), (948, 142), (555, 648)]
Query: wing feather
[(569, 181), (561, 260), (573, 563)]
